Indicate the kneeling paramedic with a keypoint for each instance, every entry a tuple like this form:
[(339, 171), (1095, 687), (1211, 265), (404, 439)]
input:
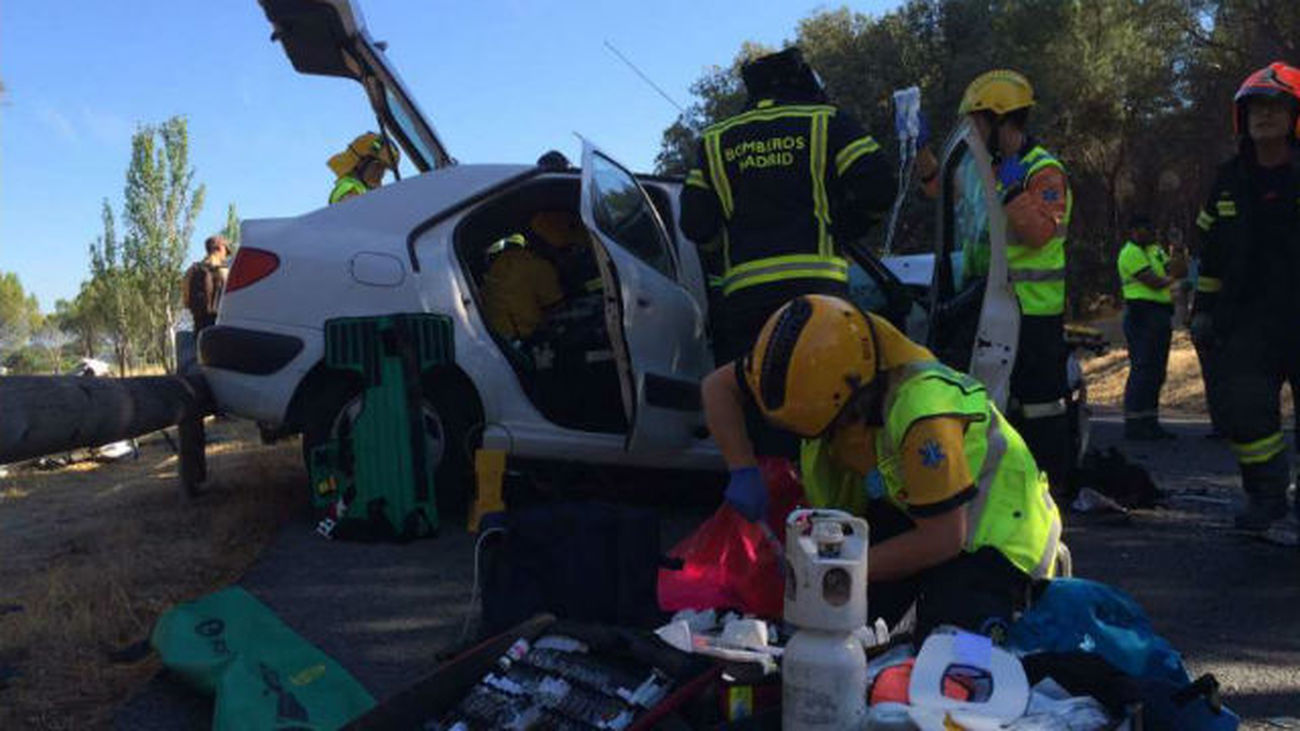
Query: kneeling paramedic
[(965, 522)]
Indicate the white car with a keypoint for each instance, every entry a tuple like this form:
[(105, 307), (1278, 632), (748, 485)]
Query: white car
[(628, 392)]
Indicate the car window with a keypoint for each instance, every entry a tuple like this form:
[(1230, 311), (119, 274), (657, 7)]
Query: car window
[(401, 117), (623, 213), (970, 253), (865, 291)]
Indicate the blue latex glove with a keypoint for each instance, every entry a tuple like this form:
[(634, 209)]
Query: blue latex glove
[(1011, 173), (923, 131), (747, 493)]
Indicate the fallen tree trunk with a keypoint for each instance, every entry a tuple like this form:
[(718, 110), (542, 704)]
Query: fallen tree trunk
[(41, 415)]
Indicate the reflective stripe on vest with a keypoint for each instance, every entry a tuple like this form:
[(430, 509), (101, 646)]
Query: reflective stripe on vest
[(821, 263), (777, 268), (1038, 275), (345, 187), (1012, 510)]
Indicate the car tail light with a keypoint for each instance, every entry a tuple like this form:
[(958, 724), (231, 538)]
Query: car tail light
[(251, 265)]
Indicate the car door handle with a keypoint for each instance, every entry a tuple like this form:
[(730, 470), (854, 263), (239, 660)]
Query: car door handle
[(643, 302)]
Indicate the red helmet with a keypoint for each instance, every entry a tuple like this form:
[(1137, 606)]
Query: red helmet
[(1276, 80)]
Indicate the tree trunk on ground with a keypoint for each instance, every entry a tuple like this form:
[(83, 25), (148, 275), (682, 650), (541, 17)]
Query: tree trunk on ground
[(50, 414)]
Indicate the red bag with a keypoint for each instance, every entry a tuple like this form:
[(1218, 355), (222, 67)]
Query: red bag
[(729, 562)]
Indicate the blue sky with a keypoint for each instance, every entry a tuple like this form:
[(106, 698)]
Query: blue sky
[(502, 82)]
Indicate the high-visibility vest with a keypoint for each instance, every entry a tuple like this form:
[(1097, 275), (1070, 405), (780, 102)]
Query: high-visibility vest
[(1038, 275), (1012, 510), (800, 132), (1133, 259), (346, 187)]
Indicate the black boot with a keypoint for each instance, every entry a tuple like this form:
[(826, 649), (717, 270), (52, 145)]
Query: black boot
[(1265, 485)]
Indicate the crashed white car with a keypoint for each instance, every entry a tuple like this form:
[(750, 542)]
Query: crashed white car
[(615, 382)]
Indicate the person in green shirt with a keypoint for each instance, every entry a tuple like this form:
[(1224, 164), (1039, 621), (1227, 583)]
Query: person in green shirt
[(1148, 326)]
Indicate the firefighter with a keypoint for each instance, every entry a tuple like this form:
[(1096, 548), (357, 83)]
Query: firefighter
[(778, 184), (1148, 326), (974, 521), (519, 288), (1037, 200), (1247, 306), (360, 168)]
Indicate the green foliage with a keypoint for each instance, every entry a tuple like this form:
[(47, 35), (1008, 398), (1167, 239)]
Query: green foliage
[(20, 314), (161, 204), (1134, 96), (231, 231)]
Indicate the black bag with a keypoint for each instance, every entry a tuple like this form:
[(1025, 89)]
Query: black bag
[(587, 561)]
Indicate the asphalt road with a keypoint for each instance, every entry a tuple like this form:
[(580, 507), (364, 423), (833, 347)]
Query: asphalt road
[(1228, 602)]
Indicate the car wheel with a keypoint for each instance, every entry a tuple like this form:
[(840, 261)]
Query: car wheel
[(445, 434)]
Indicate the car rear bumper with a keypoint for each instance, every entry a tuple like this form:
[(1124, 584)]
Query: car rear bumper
[(254, 352)]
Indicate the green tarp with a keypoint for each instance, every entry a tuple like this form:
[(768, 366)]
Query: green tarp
[(262, 674)]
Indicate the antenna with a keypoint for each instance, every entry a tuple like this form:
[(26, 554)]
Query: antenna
[(644, 78)]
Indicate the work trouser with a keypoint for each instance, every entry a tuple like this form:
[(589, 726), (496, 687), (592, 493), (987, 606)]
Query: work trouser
[(735, 329), (1209, 371), (1250, 365), (971, 590), (1148, 327), (1038, 393)]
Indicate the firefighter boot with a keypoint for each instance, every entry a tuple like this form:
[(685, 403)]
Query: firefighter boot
[(1265, 484)]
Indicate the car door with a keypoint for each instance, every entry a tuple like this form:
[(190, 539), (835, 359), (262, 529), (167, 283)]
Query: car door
[(656, 327), (974, 314), (329, 38)]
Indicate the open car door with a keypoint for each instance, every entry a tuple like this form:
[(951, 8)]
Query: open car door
[(974, 314), (656, 328), (329, 38)]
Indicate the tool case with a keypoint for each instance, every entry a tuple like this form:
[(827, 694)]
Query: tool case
[(551, 674)]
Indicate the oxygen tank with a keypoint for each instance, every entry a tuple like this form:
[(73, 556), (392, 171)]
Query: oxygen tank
[(824, 667)]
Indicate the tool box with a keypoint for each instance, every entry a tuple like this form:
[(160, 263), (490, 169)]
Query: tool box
[(550, 674), (375, 479)]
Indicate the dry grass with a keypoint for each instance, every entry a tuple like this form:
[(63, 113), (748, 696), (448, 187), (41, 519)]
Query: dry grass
[(94, 555), (1184, 391)]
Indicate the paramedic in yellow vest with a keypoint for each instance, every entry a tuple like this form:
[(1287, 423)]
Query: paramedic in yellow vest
[(778, 185), (1148, 326), (361, 167), (519, 288), (1037, 200), (966, 521)]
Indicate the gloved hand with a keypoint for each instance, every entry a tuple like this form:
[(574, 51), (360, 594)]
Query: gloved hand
[(1202, 329), (747, 493), (1011, 174)]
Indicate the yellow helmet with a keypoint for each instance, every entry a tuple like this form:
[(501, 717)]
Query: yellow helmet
[(810, 359), (367, 144), (999, 91)]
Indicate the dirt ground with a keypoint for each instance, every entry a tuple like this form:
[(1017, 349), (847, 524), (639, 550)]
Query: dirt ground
[(93, 553), (1184, 391)]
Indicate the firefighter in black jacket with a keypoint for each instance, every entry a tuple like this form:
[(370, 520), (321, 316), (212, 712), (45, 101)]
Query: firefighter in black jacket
[(776, 185), (1247, 309)]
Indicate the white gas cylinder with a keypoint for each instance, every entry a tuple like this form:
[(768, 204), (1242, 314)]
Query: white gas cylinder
[(824, 667)]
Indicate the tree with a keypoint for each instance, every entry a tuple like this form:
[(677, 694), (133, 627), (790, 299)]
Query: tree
[(112, 296), (231, 231), (81, 320), (20, 314), (161, 205)]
